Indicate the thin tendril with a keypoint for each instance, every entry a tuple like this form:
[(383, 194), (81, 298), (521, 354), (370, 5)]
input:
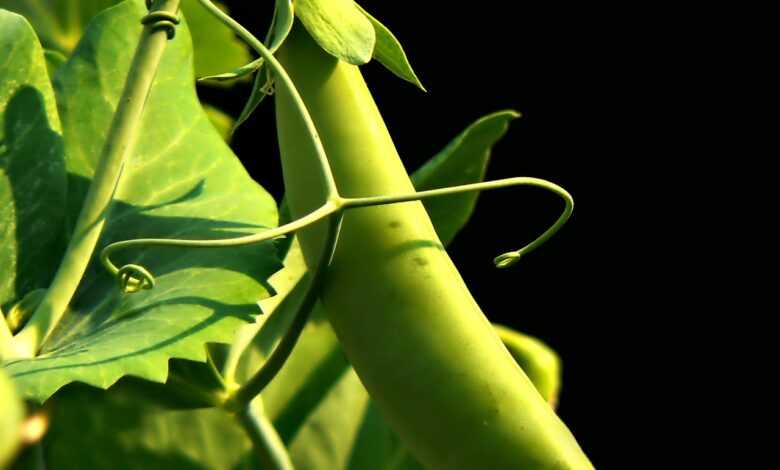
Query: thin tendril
[(278, 357), (132, 278), (502, 261)]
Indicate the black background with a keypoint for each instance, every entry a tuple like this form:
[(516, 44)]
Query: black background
[(568, 71)]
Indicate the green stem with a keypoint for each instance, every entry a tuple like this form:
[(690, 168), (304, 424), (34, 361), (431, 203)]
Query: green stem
[(120, 143), (268, 445), (244, 394)]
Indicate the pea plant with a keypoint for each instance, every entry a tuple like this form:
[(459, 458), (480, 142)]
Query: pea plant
[(160, 311)]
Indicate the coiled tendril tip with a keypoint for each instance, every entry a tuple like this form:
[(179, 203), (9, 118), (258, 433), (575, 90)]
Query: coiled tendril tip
[(133, 278), (507, 259)]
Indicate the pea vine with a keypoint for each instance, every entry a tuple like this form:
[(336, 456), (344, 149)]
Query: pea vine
[(29, 326)]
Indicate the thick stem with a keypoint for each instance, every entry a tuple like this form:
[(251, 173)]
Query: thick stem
[(120, 143), (268, 446)]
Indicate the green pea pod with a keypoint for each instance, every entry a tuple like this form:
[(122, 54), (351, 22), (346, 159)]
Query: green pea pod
[(417, 339), (539, 362)]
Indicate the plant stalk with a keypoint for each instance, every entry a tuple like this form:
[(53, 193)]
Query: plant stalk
[(268, 446), (120, 144)]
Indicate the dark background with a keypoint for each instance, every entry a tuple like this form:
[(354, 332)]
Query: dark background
[(568, 72)]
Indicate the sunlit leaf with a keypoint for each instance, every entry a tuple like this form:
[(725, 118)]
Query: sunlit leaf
[(182, 181), (32, 169)]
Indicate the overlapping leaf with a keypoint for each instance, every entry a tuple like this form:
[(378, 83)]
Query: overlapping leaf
[(119, 431), (339, 27), (32, 170), (183, 181), (60, 25)]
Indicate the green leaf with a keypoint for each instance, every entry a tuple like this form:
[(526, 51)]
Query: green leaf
[(464, 160), (221, 121), (61, 23), (182, 182), (12, 415), (217, 48), (32, 170), (280, 29), (339, 27), (539, 361), (118, 431), (54, 59), (389, 52)]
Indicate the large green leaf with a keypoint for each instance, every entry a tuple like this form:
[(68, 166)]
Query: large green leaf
[(61, 23), (182, 181), (339, 27), (389, 52), (32, 171), (118, 431), (464, 160)]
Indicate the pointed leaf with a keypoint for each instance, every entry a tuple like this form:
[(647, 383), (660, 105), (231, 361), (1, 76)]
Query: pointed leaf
[(538, 360), (216, 47), (464, 160), (389, 52), (182, 181), (339, 27)]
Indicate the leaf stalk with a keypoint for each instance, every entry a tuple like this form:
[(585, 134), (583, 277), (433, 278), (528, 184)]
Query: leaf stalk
[(120, 144)]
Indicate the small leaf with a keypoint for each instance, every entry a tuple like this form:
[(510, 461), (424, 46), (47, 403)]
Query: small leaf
[(240, 72), (389, 52), (263, 84), (539, 362), (339, 27), (182, 182), (464, 160)]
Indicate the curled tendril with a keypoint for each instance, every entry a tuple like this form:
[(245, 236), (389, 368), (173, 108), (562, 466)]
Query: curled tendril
[(133, 278), (161, 20), (142, 279)]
